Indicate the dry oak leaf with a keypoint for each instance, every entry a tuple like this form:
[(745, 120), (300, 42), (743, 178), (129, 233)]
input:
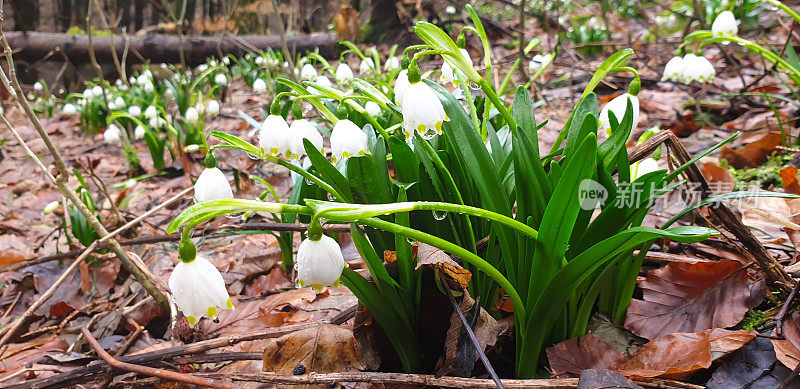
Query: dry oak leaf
[(326, 348), (572, 356), (789, 179), (682, 297), (18, 355), (752, 154), (788, 350), (676, 355), (433, 256)]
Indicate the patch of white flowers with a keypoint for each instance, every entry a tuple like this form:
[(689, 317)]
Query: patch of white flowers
[(688, 69)]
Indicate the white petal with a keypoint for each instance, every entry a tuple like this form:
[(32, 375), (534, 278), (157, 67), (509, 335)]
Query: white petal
[(274, 135), (319, 263), (212, 185)]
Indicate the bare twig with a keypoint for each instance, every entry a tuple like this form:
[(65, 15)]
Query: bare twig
[(153, 372), (468, 328), (784, 310)]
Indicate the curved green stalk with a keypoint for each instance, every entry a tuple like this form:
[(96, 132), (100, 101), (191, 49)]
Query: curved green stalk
[(490, 93), (466, 255), (758, 49)]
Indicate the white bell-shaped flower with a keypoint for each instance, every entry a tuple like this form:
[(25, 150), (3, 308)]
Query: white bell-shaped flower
[(138, 132), (191, 114), (647, 165), (220, 79), (259, 85), (112, 133), (618, 106), (212, 185), (319, 263), (343, 73), (202, 67), (673, 70), (536, 63), (69, 109), (134, 110), (372, 108), (212, 107), (149, 87), (422, 111), (450, 73), (392, 63), (347, 140), (37, 86), (151, 112), (367, 66), (274, 135), (51, 207), (308, 72), (97, 90), (400, 86), (302, 129), (324, 81), (725, 24), (259, 60), (87, 93), (198, 289), (697, 68), (450, 9), (226, 60)]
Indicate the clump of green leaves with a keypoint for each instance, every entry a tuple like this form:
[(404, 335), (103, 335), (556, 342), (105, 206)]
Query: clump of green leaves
[(766, 176)]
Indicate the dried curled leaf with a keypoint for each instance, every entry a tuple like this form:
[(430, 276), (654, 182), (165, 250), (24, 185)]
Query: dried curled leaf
[(675, 355), (572, 356), (435, 257), (326, 348), (683, 297)]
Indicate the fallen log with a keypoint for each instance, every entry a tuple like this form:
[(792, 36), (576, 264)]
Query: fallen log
[(159, 48)]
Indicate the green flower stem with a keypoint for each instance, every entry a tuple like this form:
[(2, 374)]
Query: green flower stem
[(758, 49), (210, 209), (786, 9), (322, 184), (487, 48), (635, 85), (414, 47), (473, 112), (466, 255), (350, 212), (490, 93)]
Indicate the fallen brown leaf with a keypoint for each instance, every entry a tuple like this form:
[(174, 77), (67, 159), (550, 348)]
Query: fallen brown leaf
[(570, 357), (789, 178), (18, 355), (683, 297), (459, 351), (676, 355), (435, 257), (788, 350), (752, 154), (326, 348)]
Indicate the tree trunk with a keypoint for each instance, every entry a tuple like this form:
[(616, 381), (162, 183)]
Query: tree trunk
[(158, 48)]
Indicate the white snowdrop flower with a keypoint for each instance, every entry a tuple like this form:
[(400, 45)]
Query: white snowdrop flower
[(149, 87), (373, 109), (119, 83), (198, 289), (673, 70), (87, 93), (97, 90), (299, 130), (308, 73), (347, 140), (367, 66), (129, 183), (536, 63), (725, 24), (38, 86), (392, 63), (259, 85), (51, 207), (163, 66), (274, 135), (645, 166), (212, 185), (138, 132), (450, 74), (112, 105), (697, 68), (132, 80), (111, 134), (343, 73), (202, 67), (191, 114), (706, 70), (192, 148), (147, 74), (319, 263), (220, 79), (150, 112), (690, 65), (119, 102), (422, 111), (212, 107), (156, 122), (134, 110), (451, 10), (69, 109), (143, 79), (259, 60), (400, 86), (226, 60), (324, 81), (618, 106)]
